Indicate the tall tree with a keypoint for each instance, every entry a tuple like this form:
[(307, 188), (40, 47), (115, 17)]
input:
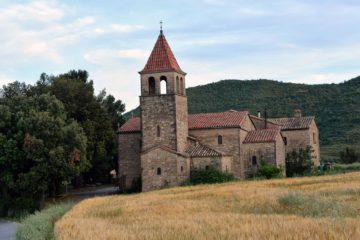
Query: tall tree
[(99, 116), (39, 148)]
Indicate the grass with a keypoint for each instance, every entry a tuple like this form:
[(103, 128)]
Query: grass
[(325, 207), (40, 225)]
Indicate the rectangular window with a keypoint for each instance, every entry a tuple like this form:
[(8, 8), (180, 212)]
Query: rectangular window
[(314, 138)]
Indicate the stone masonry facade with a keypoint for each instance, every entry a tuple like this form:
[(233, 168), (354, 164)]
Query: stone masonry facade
[(165, 143)]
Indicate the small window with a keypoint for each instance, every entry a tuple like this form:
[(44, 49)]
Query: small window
[(177, 85), (158, 171), (226, 168), (158, 131), (182, 168), (151, 86), (254, 161), (285, 141), (220, 139), (182, 87), (140, 144), (207, 167), (314, 138)]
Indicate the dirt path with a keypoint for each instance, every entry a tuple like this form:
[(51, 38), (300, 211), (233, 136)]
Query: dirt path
[(7, 230), (82, 194)]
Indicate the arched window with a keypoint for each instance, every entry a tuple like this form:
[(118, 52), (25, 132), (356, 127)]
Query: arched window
[(181, 86), (182, 168), (163, 85), (285, 141), (207, 167), (314, 138), (254, 160), (158, 131), (177, 85), (158, 171), (151, 86), (220, 140)]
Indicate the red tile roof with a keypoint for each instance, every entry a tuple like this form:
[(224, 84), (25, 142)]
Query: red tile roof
[(196, 149), (161, 58), (217, 120), (132, 125), (294, 122), (198, 121), (263, 135)]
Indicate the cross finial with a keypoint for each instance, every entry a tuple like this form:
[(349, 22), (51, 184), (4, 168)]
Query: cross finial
[(161, 23)]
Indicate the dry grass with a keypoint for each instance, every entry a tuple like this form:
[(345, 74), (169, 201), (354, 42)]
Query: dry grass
[(302, 208)]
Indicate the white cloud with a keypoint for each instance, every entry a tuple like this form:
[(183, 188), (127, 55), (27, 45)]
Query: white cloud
[(43, 11), (108, 56)]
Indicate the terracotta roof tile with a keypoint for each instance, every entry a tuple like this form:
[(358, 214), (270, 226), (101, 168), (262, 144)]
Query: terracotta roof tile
[(263, 135), (217, 120), (161, 57), (294, 122), (132, 125), (197, 149), (198, 121)]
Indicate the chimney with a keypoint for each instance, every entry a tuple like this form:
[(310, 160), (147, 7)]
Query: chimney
[(297, 113), (259, 114), (265, 114)]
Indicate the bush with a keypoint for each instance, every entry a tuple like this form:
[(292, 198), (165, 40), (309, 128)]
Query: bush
[(315, 206), (268, 171), (40, 225), (299, 163), (349, 155), (211, 175)]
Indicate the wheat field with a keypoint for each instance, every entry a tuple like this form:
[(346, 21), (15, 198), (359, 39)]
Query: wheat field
[(324, 207)]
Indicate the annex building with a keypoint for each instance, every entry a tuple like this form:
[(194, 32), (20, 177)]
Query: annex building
[(165, 143)]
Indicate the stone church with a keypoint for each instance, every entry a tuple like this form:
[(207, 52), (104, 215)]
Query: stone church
[(165, 143)]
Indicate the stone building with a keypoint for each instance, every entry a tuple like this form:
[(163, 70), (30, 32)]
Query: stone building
[(165, 143)]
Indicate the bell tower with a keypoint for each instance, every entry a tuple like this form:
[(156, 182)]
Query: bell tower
[(163, 101)]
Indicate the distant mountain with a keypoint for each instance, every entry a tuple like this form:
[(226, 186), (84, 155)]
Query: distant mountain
[(336, 106)]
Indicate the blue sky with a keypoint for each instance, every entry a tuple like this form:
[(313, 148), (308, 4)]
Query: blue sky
[(292, 41)]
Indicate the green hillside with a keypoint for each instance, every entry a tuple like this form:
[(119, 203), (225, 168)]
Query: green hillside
[(336, 106)]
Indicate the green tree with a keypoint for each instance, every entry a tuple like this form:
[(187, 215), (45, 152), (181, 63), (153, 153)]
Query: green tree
[(349, 155), (99, 116), (39, 148), (268, 171), (299, 162)]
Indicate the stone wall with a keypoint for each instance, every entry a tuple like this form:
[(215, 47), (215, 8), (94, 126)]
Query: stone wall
[(174, 169), (262, 151), (182, 128), (229, 146), (315, 142), (302, 138), (169, 112), (172, 86), (280, 152), (129, 158)]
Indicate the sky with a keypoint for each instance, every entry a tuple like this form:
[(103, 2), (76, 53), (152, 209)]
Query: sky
[(305, 41)]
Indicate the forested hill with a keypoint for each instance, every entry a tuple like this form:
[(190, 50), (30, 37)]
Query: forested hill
[(336, 106)]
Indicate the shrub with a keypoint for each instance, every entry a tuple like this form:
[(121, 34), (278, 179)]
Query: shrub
[(211, 175), (40, 225), (315, 206), (349, 155), (268, 171), (298, 163)]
